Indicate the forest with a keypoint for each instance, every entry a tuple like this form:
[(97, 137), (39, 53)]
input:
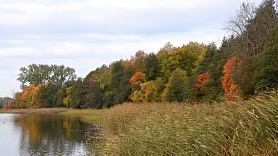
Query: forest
[(243, 66)]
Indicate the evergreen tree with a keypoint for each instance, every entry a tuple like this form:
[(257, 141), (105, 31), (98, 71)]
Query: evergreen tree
[(267, 72), (244, 76), (77, 94), (175, 86), (151, 68), (119, 89), (93, 96)]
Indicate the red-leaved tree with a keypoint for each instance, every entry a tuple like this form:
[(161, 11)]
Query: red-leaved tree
[(228, 84), (201, 79)]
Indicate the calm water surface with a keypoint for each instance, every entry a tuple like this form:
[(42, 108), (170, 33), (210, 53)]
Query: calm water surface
[(34, 134)]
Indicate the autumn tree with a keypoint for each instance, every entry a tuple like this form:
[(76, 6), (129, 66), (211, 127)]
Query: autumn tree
[(138, 60), (202, 78), (136, 80), (185, 57), (166, 48), (17, 100), (148, 93), (6, 102), (229, 85), (9, 105), (211, 65), (67, 100)]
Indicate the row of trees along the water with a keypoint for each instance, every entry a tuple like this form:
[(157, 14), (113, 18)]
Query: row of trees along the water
[(244, 65)]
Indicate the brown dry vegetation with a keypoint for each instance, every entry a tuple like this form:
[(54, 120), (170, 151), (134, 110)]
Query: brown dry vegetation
[(238, 128)]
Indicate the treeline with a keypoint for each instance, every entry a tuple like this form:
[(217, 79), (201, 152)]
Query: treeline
[(244, 65), (5, 101)]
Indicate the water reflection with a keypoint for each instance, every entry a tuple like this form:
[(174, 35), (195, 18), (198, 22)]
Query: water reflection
[(44, 134)]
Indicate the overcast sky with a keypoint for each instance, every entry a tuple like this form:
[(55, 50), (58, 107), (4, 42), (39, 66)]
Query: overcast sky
[(85, 34)]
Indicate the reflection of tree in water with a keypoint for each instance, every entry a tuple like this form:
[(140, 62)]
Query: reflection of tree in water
[(51, 135)]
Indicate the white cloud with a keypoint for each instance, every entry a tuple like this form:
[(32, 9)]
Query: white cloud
[(88, 33)]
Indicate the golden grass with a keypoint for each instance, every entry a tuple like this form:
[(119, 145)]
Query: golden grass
[(239, 128)]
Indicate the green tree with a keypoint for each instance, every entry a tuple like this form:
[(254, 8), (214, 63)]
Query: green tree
[(41, 74), (93, 95), (124, 89), (151, 68), (60, 95), (267, 71), (61, 74), (119, 89), (77, 94), (244, 76), (175, 86), (46, 95)]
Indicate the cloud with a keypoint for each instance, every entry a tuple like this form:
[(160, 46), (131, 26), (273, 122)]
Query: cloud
[(86, 34), (108, 16)]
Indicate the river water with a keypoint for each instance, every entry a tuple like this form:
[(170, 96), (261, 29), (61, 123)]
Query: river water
[(34, 134)]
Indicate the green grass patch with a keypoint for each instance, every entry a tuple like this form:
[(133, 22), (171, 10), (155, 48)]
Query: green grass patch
[(87, 115)]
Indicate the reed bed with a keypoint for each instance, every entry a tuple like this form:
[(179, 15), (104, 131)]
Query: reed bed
[(234, 128)]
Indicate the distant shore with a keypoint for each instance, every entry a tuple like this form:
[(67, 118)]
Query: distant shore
[(87, 115), (41, 110)]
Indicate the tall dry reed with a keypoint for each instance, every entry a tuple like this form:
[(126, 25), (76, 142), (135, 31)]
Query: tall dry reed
[(238, 128)]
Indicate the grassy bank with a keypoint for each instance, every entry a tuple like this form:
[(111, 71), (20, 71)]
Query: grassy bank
[(235, 128), (239, 128), (88, 115), (40, 111)]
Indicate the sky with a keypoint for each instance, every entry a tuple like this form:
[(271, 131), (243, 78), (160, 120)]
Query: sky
[(85, 34)]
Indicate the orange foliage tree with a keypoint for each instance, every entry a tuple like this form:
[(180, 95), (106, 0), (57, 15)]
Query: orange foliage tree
[(201, 79), (228, 84), (136, 80), (9, 105)]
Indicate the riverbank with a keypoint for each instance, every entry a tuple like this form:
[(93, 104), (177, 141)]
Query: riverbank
[(231, 128), (87, 115), (40, 111)]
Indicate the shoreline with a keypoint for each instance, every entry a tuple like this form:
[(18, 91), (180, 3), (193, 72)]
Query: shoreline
[(90, 116), (39, 110)]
